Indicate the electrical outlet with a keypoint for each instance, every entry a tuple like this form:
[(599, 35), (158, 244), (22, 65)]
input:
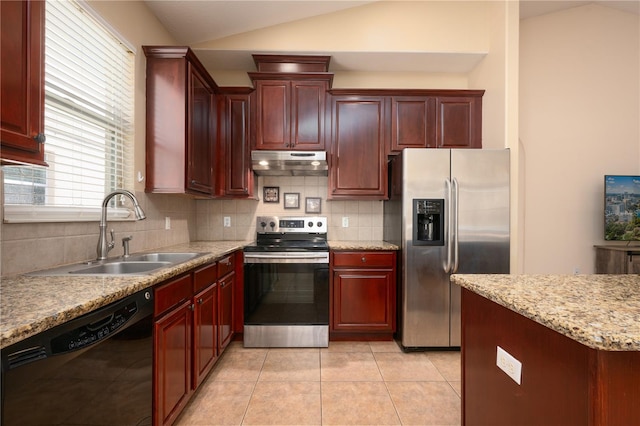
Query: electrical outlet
[(507, 363), (576, 270), (345, 221), (227, 221), (167, 222)]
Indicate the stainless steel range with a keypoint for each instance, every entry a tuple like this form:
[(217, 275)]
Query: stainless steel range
[(286, 284)]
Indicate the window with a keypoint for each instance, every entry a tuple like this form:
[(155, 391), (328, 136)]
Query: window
[(88, 122)]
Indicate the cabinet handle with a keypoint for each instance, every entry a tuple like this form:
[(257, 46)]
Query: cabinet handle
[(364, 259), (40, 138), (200, 301), (192, 307)]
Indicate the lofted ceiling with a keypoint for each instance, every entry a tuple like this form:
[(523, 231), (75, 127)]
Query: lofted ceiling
[(195, 21)]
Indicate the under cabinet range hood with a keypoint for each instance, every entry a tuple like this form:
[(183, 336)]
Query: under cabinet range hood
[(289, 163)]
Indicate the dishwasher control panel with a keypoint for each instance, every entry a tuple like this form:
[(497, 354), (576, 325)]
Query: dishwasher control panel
[(87, 335)]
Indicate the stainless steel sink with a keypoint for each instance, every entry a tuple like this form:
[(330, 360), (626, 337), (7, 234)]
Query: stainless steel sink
[(163, 257), (137, 264), (121, 268)]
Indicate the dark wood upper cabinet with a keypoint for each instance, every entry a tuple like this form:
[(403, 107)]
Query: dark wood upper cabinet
[(202, 136), (436, 119), (181, 123), (413, 122), (290, 114), (358, 154), (235, 176), (22, 82), (290, 101), (459, 120)]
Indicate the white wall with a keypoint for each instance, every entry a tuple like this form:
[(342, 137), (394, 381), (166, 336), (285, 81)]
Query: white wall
[(418, 28), (579, 119)]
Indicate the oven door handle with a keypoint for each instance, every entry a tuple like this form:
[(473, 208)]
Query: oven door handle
[(286, 258)]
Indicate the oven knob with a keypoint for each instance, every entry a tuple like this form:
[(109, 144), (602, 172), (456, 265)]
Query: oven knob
[(310, 224), (263, 224), (272, 225), (319, 224)]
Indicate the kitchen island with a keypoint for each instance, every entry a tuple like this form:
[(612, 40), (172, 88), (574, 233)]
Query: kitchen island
[(568, 349)]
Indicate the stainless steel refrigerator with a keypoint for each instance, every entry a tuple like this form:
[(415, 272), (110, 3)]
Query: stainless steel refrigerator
[(449, 212)]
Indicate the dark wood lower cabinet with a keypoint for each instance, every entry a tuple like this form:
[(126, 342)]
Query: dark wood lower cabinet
[(363, 295), (172, 363), (563, 382), (194, 322), (225, 310), (205, 332)]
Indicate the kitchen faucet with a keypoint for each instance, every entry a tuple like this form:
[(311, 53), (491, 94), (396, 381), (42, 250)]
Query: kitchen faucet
[(103, 245)]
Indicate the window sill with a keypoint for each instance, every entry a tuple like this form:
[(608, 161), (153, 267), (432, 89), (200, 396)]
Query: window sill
[(43, 214)]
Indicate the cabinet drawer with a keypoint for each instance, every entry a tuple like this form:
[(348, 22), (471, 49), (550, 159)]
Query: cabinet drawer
[(365, 259), (225, 265), (172, 293), (205, 276)]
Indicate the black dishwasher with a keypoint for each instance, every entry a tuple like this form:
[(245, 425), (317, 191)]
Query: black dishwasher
[(93, 370)]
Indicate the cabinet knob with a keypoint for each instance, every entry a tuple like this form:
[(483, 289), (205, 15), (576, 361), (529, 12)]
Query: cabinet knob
[(364, 259), (192, 307), (200, 301), (40, 138)]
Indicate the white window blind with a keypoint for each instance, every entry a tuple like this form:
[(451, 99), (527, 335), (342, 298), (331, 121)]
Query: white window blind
[(88, 122)]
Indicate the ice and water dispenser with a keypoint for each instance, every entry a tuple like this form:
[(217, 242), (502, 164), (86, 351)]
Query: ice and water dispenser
[(428, 222)]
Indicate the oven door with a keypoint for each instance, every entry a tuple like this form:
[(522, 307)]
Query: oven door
[(286, 297)]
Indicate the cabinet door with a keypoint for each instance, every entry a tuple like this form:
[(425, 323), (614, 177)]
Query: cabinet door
[(459, 122), (172, 362), (273, 114), (22, 82), (201, 137), (307, 114), (358, 150), (225, 310), (205, 327), (237, 175), (634, 263), (413, 122), (363, 300)]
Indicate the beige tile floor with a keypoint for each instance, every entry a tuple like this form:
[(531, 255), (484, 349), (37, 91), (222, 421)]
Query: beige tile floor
[(349, 383)]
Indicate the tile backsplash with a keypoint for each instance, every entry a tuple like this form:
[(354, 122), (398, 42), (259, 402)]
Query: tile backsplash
[(364, 217), (26, 247)]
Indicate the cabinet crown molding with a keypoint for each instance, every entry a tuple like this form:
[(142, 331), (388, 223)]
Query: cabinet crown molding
[(291, 63)]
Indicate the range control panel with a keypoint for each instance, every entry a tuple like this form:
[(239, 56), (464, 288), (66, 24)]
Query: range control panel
[(291, 224)]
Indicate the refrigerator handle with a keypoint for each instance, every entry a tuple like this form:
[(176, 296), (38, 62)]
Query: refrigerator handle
[(454, 224), (448, 241)]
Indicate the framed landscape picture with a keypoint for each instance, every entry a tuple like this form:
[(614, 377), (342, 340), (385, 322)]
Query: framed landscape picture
[(312, 205), (291, 200)]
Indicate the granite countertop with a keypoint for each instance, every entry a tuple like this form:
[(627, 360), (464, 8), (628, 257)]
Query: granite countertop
[(362, 245), (598, 311), (32, 304)]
